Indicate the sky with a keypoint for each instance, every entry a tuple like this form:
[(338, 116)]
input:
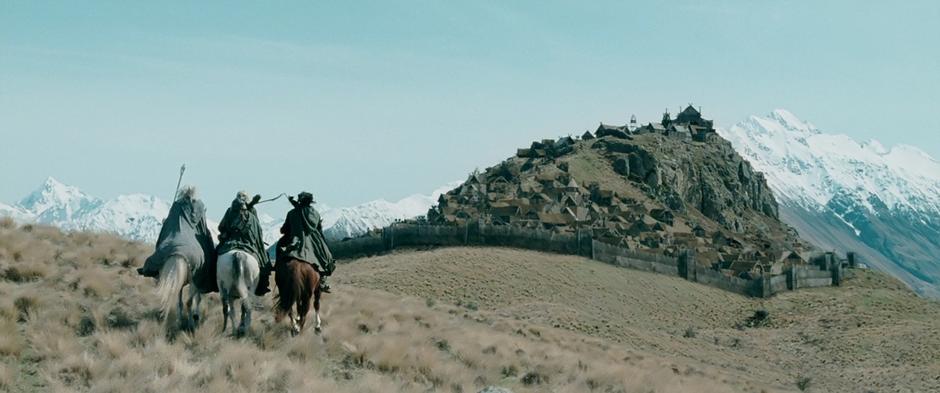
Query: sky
[(355, 101)]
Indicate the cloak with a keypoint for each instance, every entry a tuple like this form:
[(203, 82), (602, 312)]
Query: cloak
[(304, 238), (184, 233), (241, 230)]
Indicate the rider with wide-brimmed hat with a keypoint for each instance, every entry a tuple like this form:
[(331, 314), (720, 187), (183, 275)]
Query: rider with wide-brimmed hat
[(303, 238)]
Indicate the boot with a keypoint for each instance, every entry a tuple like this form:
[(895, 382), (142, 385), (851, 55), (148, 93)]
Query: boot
[(263, 282), (145, 273), (324, 287)]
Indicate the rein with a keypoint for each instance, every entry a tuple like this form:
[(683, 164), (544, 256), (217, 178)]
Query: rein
[(272, 199)]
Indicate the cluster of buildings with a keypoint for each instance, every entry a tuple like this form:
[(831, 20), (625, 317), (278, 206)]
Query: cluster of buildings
[(688, 124)]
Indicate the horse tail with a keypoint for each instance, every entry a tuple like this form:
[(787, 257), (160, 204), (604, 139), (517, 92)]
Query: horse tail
[(284, 299), (240, 274), (173, 277)]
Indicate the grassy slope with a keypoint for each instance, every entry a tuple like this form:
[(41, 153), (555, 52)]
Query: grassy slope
[(861, 336), (74, 316)]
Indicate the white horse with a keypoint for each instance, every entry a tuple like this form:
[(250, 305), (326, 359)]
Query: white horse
[(176, 274), (237, 275)]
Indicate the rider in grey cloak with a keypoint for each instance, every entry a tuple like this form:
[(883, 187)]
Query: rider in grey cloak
[(184, 233)]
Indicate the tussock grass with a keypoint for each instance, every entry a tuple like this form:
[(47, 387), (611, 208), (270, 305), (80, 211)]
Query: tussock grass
[(11, 341), (89, 323), (7, 376), (867, 324)]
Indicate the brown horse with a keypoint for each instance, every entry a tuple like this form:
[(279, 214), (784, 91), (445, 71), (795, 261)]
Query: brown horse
[(297, 281)]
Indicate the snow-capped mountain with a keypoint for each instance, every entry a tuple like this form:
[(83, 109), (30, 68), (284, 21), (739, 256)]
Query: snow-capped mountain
[(14, 212), (57, 204), (883, 203), (139, 217), (134, 216), (354, 221)]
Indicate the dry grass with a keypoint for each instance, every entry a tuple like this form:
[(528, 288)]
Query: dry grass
[(7, 376), (88, 323), (11, 342), (91, 324), (854, 338)]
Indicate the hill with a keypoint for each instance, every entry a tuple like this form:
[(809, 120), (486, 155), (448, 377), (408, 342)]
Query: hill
[(659, 188), (74, 317)]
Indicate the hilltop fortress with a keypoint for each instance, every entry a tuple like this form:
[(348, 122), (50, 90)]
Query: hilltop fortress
[(659, 188), (688, 124)]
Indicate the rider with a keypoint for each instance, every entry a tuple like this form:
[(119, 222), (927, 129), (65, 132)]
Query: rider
[(184, 233), (303, 238), (241, 230)]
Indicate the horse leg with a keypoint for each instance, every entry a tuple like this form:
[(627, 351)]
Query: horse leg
[(294, 329), (198, 307), (316, 309), (190, 310), (231, 315), (246, 318), (193, 305), (180, 311), (303, 308), (226, 309)]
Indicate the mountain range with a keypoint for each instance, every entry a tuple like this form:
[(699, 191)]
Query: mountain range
[(843, 195), (353, 221), (139, 217), (134, 216)]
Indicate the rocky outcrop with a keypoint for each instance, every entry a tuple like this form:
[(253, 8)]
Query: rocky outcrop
[(709, 177)]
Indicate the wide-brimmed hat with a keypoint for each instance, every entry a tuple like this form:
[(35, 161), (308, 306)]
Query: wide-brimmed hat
[(305, 198)]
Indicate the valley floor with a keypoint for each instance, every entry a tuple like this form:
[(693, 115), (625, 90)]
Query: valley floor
[(74, 316)]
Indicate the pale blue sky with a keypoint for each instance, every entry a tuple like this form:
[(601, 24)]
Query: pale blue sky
[(360, 100)]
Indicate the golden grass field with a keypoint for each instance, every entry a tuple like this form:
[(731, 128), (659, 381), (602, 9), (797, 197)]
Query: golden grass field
[(74, 316)]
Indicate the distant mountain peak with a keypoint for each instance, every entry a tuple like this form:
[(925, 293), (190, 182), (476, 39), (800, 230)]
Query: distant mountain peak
[(850, 195), (56, 202), (792, 122), (875, 146)]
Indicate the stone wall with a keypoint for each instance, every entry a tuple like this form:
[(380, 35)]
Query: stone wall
[(406, 235)]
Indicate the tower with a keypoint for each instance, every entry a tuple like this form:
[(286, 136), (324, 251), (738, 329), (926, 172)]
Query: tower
[(632, 126)]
